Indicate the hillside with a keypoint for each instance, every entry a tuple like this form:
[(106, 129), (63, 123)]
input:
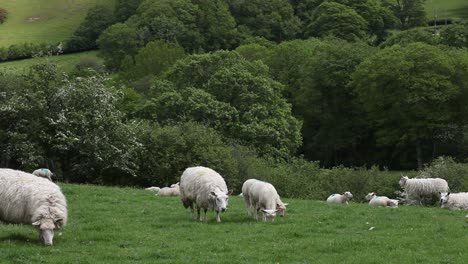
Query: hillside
[(124, 225), (43, 20), (446, 9)]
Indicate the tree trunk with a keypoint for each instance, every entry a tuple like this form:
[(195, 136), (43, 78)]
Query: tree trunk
[(419, 155)]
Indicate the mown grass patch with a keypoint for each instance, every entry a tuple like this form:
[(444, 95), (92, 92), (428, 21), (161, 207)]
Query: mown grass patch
[(43, 21), (125, 225), (65, 63)]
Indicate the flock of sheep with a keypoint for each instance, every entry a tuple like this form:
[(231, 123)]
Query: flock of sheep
[(34, 199)]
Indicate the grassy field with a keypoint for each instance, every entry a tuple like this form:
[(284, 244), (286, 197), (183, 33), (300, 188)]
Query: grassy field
[(124, 225), (47, 21), (446, 9), (65, 63)]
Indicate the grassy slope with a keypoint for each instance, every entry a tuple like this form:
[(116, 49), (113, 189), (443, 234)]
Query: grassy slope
[(447, 9), (65, 62), (113, 225), (56, 19)]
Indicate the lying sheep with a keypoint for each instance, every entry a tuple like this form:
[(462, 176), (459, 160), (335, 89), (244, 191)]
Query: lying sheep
[(418, 190), (153, 189), (27, 199), (375, 200), (44, 173), (454, 201), (259, 195), (340, 198), (174, 190), (205, 188)]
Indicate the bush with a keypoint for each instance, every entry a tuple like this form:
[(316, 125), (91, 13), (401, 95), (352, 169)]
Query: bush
[(456, 174), (3, 15)]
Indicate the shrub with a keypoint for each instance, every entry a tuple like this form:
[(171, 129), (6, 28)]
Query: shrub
[(456, 174), (3, 15)]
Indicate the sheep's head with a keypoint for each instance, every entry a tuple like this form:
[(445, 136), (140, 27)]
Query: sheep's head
[(220, 201), (370, 196), (281, 208), (269, 214), (444, 197), (46, 227), (348, 195), (402, 181)]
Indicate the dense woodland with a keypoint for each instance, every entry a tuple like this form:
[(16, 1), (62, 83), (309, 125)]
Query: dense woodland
[(252, 88)]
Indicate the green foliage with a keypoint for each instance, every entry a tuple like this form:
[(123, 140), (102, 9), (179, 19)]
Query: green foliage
[(3, 15), (455, 35), (117, 42), (125, 9), (155, 58), (334, 19), (447, 168), (97, 20), (271, 19), (408, 36), (410, 12)]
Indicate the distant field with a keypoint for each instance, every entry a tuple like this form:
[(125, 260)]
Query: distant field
[(447, 9), (65, 62), (43, 20), (124, 225)]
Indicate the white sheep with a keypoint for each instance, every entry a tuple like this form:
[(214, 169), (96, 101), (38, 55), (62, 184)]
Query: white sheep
[(205, 188), (44, 173), (153, 189), (27, 199), (375, 200), (417, 190), (174, 190), (340, 198), (260, 195), (454, 201)]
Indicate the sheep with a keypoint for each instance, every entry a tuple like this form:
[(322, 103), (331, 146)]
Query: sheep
[(174, 190), (375, 200), (44, 173), (153, 189), (340, 198), (262, 196), (27, 199), (205, 188), (417, 190), (454, 201)]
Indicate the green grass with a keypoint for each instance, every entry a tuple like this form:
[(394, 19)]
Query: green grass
[(124, 225), (65, 63), (446, 9), (43, 21)]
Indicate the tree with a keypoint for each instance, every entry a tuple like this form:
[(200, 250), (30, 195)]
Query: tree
[(410, 12), (412, 35), (455, 35), (125, 9), (334, 19), (3, 15), (408, 92), (117, 42), (96, 21)]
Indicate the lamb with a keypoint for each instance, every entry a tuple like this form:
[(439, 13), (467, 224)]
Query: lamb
[(261, 195), (44, 173), (417, 190), (454, 201), (375, 200), (174, 190), (340, 198), (27, 199), (205, 188)]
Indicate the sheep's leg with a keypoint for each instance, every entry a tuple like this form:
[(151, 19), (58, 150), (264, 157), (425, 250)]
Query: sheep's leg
[(218, 218), (193, 211), (256, 213), (247, 206), (198, 214), (204, 216)]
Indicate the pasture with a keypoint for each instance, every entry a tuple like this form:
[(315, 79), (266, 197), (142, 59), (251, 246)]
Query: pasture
[(43, 21), (126, 225), (446, 9), (65, 63)]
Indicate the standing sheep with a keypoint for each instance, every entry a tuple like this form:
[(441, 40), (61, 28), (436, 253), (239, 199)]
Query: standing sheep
[(375, 200), (44, 173), (259, 195), (454, 201), (27, 199), (417, 190), (206, 188), (340, 198)]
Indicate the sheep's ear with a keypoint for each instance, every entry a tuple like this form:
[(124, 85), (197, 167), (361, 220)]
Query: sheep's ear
[(448, 193), (37, 223), (213, 193), (59, 222), (229, 192), (286, 204)]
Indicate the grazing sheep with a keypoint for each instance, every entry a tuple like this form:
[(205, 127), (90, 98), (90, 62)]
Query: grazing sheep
[(259, 195), (44, 173), (205, 188), (174, 190), (27, 199), (454, 201), (340, 198), (418, 190), (153, 189), (375, 200)]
